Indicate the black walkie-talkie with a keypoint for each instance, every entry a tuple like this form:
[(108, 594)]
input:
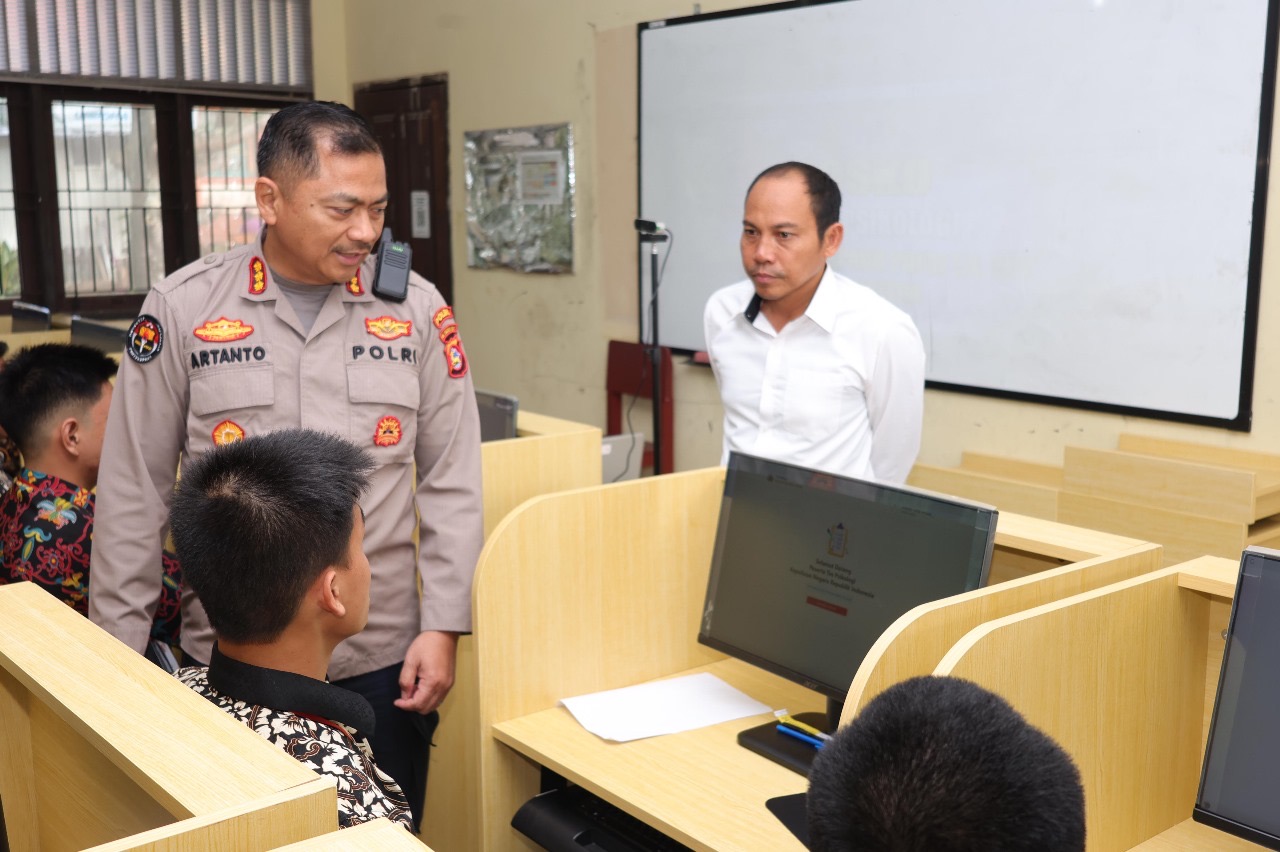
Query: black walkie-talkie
[(391, 275)]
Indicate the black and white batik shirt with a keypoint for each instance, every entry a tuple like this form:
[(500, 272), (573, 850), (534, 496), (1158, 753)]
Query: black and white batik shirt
[(324, 726)]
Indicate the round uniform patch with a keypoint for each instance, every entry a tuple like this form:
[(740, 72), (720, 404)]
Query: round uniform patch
[(227, 432), (388, 432), (146, 339)]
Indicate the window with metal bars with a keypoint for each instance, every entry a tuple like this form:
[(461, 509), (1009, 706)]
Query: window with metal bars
[(141, 119)]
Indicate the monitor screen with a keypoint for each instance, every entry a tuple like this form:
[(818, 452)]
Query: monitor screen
[(809, 568), (1241, 769), (497, 415)]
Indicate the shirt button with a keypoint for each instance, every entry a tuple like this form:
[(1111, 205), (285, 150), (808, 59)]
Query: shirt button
[(211, 258)]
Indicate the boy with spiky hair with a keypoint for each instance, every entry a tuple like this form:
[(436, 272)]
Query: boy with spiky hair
[(270, 534)]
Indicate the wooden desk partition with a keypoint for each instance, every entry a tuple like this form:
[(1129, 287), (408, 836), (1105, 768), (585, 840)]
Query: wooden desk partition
[(19, 340), (379, 835), (547, 455), (603, 587), (1123, 676), (100, 747)]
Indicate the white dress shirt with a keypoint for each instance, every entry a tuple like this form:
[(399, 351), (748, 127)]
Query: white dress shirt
[(839, 389)]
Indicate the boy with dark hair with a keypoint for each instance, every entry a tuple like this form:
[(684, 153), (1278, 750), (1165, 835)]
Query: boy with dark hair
[(939, 764), (270, 535), (54, 399)]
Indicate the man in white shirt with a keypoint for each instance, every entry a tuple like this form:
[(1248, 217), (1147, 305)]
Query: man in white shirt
[(813, 368)]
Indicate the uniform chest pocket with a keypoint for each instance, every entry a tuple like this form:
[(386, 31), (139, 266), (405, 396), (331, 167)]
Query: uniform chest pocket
[(246, 387), (816, 403), (383, 410)]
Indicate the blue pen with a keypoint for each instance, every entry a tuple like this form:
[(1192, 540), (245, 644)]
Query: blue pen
[(805, 738)]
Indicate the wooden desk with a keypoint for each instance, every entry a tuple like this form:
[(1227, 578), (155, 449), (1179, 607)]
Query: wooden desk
[(547, 455), (699, 787), (603, 587), (101, 747)]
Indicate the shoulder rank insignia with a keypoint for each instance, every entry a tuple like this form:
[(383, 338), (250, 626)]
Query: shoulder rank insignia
[(257, 277), (223, 330), (354, 287), (388, 328), (146, 338), (227, 432), (455, 359), (388, 432)]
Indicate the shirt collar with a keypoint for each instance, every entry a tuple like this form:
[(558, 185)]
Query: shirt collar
[(290, 692), (822, 307), (358, 289)]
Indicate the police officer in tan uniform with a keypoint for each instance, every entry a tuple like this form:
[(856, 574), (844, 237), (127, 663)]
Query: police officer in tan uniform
[(289, 332)]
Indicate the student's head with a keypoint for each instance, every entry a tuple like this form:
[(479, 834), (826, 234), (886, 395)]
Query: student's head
[(271, 526), (321, 190), (940, 764), (54, 400), (790, 227)]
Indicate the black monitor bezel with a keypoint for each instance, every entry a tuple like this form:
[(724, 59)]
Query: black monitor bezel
[(816, 684), (1199, 812), (508, 404)]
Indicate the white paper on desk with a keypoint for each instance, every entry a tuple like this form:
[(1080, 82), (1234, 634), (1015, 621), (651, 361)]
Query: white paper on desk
[(662, 707)]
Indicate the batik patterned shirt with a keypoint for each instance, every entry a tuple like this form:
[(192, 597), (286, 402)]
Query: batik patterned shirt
[(46, 535), (46, 526), (321, 725)]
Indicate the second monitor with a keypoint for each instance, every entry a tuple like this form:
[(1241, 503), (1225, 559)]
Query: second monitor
[(810, 568), (497, 415)]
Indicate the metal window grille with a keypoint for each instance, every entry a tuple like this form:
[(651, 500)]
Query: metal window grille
[(107, 163), (222, 45), (226, 143), (10, 282)]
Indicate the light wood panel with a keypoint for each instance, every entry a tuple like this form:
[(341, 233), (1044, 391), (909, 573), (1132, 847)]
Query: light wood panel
[(1191, 836), (1010, 468), (915, 643), (22, 339), (92, 728), (1184, 536), (379, 835), (1196, 488), (1220, 456), (281, 818), (1117, 676), (548, 455), (1039, 501)]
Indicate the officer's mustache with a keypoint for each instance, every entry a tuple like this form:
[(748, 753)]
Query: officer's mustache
[(366, 248)]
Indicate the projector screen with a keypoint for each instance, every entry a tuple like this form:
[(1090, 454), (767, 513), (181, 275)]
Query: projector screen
[(1066, 195)]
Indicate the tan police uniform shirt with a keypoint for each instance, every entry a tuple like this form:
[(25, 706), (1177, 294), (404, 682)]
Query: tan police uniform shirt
[(217, 354)]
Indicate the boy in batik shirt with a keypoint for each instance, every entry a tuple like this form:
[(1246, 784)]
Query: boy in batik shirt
[(270, 534), (54, 400)]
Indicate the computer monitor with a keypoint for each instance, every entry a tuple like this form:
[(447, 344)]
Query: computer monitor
[(1241, 769), (105, 336), (810, 568), (497, 415), (31, 317)]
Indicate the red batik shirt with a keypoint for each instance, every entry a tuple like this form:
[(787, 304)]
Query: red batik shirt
[(46, 533)]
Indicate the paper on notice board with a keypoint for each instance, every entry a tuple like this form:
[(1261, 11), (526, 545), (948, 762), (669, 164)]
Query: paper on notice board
[(662, 707)]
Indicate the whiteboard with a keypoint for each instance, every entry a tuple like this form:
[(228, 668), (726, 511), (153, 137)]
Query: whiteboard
[(1066, 195)]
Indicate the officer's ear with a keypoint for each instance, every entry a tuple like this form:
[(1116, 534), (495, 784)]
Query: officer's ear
[(267, 194)]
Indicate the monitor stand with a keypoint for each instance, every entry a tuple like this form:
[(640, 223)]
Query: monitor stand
[(797, 756)]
